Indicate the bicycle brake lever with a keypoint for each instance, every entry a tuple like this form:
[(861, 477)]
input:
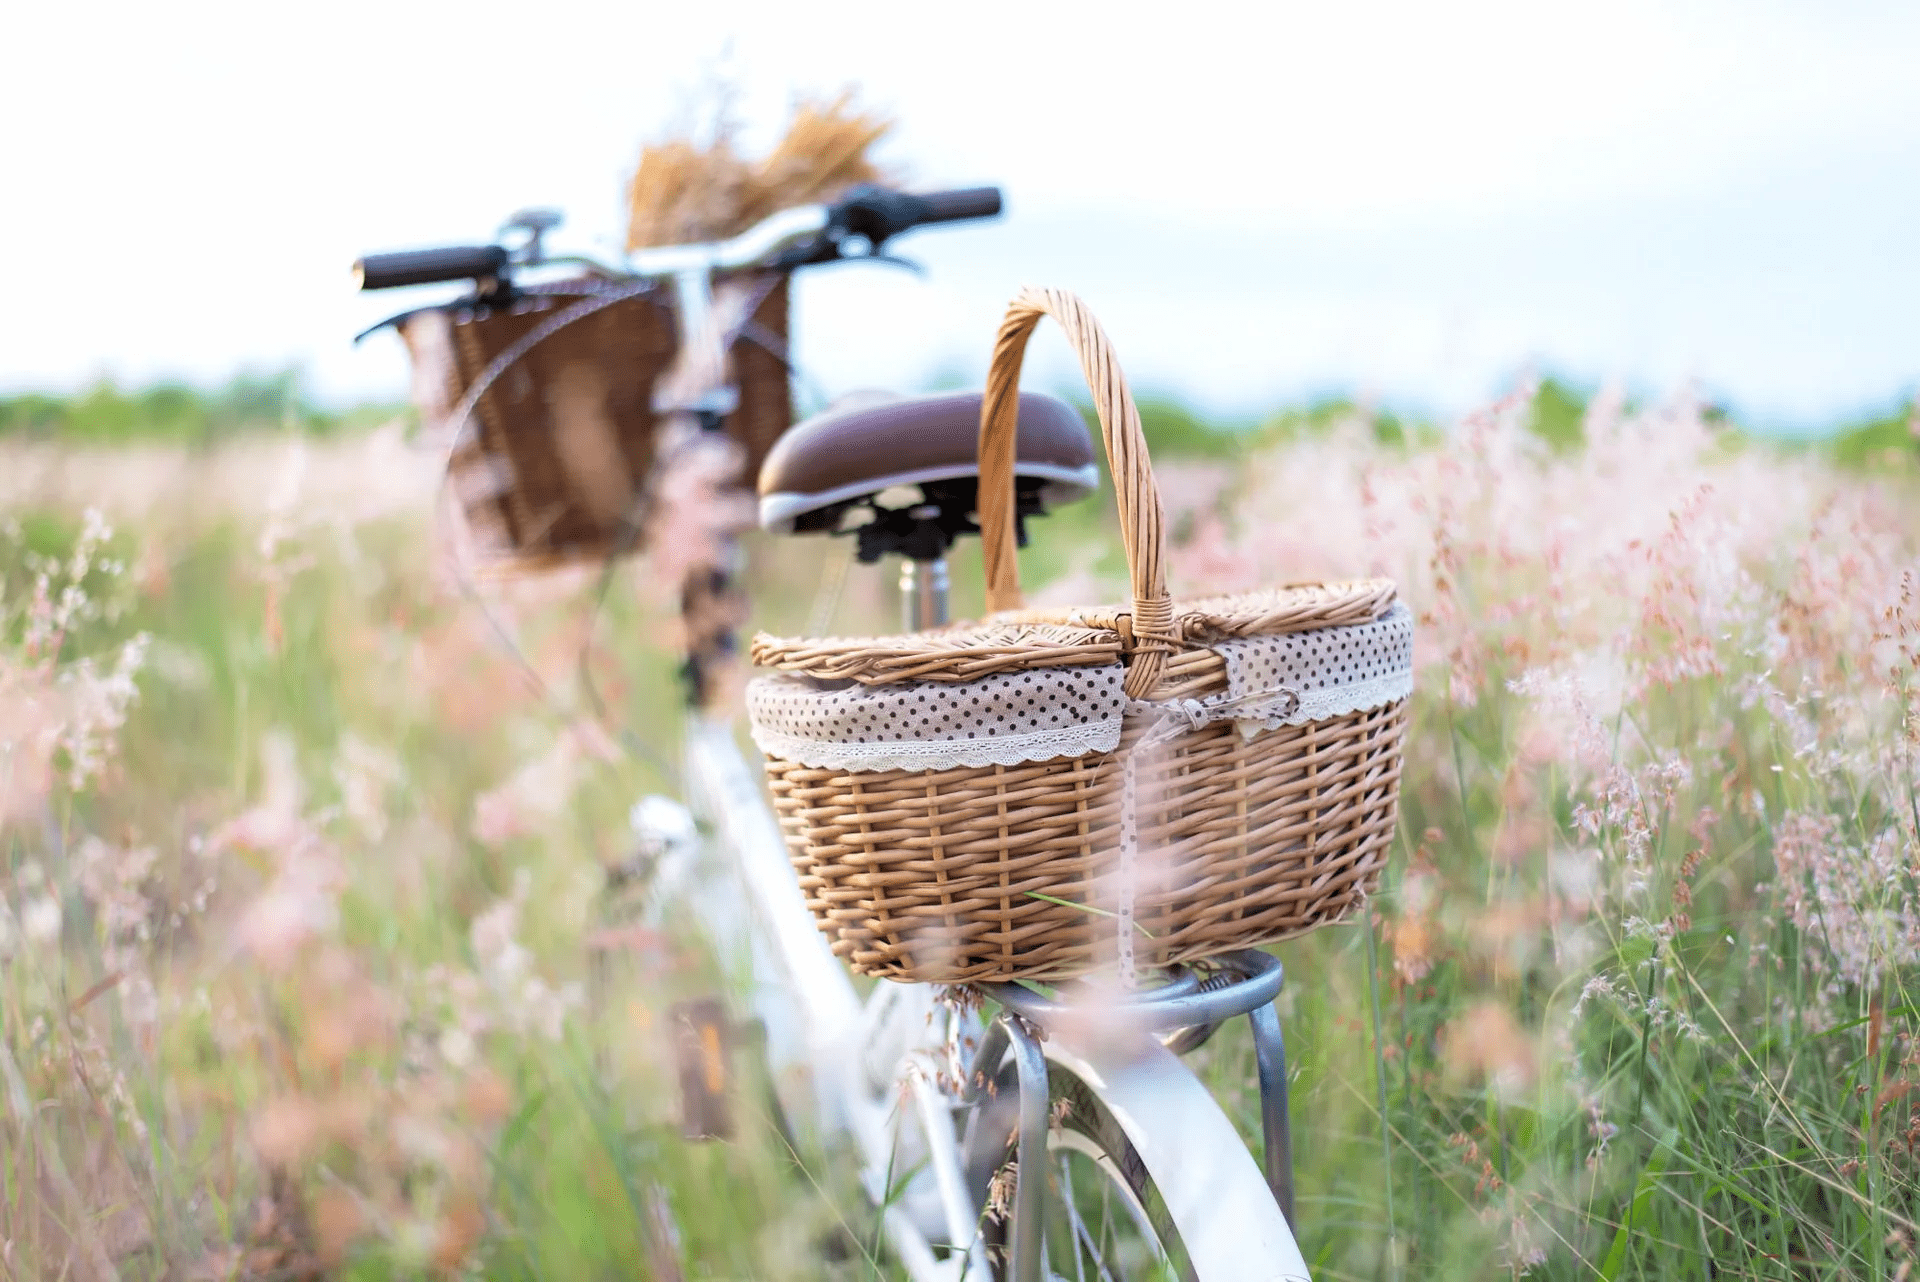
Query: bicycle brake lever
[(823, 252), (890, 260)]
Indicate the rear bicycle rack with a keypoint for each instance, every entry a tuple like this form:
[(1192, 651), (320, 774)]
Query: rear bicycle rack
[(1183, 1011)]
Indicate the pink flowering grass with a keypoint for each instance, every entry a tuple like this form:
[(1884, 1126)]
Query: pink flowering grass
[(1646, 959), (309, 965), (297, 868)]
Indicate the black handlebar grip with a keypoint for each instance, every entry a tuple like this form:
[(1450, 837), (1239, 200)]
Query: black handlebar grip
[(427, 266), (953, 206)]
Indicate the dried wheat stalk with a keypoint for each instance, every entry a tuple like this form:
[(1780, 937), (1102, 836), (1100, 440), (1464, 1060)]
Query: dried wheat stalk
[(686, 191)]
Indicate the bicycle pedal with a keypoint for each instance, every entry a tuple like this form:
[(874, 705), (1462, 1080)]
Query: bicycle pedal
[(702, 1042)]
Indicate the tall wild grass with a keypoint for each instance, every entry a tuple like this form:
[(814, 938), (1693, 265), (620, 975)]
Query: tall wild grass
[(308, 966)]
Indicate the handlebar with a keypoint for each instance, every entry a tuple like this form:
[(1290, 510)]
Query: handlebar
[(428, 266), (791, 238), (965, 203), (767, 242), (880, 214)]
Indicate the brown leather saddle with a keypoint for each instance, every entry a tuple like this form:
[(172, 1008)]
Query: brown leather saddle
[(872, 450)]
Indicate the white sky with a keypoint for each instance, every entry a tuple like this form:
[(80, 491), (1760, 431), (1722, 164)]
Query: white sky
[(1409, 200)]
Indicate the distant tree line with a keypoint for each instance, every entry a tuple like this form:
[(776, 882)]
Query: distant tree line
[(178, 413), (1558, 416)]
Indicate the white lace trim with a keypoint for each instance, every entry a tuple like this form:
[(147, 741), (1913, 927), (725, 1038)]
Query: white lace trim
[(1040, 714), (1003, 719), (1012, 750), (1324, 705), (1330, 672)]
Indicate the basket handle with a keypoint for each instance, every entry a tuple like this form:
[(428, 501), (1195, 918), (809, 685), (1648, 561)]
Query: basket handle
[(1149, 634)]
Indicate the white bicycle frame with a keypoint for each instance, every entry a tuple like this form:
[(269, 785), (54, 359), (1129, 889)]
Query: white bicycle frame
[(889, 1071), (871, 1069)]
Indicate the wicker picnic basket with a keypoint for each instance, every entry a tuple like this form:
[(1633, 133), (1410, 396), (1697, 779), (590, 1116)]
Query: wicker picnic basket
[(1046, 792), (553, 393)]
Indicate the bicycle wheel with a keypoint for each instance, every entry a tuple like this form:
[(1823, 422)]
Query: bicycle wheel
[(1106, 1219)]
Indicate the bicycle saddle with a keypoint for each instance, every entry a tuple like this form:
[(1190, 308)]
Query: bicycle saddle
[(867, 443)]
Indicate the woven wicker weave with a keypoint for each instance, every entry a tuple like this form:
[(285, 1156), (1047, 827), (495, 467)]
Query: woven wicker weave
[(1000, 872), (562, 436)]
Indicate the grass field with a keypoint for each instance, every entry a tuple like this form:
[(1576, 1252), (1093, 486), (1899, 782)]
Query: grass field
[(301, 867)]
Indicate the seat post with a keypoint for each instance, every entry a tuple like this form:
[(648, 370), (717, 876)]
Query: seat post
[(923, 593)]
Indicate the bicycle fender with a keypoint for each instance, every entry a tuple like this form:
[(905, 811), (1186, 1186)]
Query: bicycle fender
[(1232, 1229)]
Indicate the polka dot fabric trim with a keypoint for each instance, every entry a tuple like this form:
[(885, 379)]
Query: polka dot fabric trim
[(1044, 713), (1333, 671), (1005, 719)]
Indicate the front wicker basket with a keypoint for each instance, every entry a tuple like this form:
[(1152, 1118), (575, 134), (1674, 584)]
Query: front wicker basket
[(1235, 838), (560, 432)]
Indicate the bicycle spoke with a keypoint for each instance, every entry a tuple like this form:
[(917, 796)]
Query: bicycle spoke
[(1080, 1231), (1106, 1212), (1073, 1212)]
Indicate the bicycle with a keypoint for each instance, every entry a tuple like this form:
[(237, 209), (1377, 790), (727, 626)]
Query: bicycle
[(948, 1104)]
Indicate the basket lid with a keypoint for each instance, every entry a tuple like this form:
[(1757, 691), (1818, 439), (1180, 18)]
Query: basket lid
[(1077, 636)]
